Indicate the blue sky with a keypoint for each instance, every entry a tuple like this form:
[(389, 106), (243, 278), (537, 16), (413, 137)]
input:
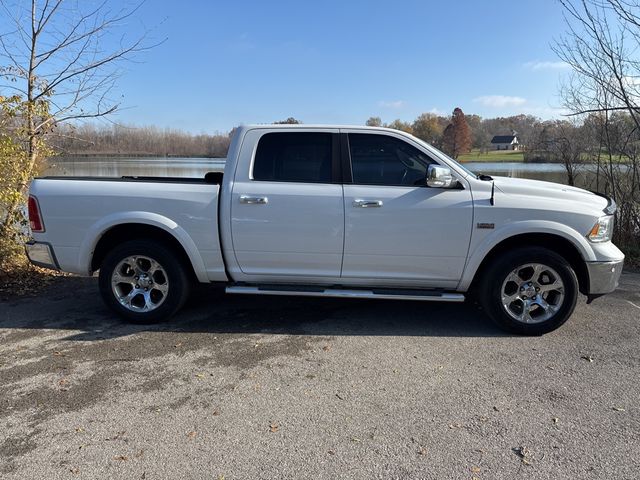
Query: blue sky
[(226, 63)]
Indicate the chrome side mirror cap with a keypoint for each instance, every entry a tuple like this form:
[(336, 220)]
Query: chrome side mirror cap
[(440, 177)]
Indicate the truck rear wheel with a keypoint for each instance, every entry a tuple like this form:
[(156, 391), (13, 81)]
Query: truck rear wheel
[(529, 291), (143, 281)]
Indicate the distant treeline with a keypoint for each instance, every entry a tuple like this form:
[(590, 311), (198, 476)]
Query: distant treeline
[(91, 140), (535, 136), (112, 140)]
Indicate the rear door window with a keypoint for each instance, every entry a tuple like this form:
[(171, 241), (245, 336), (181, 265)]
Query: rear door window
[(293, 157)]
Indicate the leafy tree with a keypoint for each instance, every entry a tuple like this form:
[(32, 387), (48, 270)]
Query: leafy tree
[(13, 157), (400, 125), (374, 122), (428, 128), (457, 135), (288, 121)]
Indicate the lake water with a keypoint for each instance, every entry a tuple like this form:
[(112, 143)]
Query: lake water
[(117, 167), (197, 167)]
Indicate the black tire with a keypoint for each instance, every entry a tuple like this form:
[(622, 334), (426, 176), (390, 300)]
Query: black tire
[(171, 276), (494, 282)]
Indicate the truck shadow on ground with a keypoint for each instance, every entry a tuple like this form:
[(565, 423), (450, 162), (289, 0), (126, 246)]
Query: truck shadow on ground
[(74, 304)]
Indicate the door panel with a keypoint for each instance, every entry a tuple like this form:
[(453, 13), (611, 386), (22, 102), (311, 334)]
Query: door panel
[(397, 229), (418, 233), (299, 231), (287, 218)]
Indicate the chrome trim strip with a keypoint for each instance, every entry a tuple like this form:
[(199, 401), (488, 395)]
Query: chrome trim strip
[(344, 293)]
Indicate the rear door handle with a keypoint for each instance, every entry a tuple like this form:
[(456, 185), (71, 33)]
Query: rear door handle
[(367, 203), (254, 200)]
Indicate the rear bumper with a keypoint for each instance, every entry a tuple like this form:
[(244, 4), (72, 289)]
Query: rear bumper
[(41, 254), (604, 276)]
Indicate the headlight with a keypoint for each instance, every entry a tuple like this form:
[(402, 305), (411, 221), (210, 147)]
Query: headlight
[(602, 230)]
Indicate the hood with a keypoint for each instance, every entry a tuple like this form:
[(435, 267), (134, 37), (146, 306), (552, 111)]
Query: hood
[(549, 190)]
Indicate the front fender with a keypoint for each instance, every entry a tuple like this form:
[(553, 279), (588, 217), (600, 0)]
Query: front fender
[(100, 227), (480, 251)]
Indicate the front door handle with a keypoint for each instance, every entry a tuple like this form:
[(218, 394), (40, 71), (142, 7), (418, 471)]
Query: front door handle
[(253, 200), (367, 203)]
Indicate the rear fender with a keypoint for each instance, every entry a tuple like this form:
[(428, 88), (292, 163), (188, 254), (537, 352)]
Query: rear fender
[(99, 228)]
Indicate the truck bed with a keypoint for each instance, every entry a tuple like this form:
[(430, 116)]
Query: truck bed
[(78, 211)]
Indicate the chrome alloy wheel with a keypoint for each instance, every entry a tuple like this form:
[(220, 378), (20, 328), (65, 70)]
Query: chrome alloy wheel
[(140, 283), (532, 293)]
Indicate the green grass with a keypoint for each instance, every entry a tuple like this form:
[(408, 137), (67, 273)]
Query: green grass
[(492, 156)]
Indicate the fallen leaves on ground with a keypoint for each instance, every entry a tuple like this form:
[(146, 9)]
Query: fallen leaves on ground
[(121, 458), (191, 434), (25, 280), (475, 469), (422, 451)]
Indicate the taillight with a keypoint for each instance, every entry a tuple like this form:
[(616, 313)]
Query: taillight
[(35, 219)]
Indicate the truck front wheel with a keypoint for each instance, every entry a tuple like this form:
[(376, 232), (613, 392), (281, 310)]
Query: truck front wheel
[(529, 291), (143, 281)]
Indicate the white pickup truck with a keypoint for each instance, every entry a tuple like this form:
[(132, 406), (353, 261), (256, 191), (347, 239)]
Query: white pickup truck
[(332, 211)]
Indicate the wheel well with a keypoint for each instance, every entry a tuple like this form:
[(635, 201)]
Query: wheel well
[(555, 243), (138, 231)]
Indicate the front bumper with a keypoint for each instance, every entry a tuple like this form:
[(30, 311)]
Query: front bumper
[(604, 276), (41, 254)]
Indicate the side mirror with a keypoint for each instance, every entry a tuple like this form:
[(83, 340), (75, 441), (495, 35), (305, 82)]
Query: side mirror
[(439, 177)]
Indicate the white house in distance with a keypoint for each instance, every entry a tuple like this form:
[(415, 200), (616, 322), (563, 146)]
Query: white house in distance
[(505, 142)]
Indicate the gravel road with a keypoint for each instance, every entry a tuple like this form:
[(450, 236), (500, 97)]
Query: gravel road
[(240, 387)]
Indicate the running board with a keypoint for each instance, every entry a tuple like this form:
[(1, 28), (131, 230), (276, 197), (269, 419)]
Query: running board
[(382, 293)]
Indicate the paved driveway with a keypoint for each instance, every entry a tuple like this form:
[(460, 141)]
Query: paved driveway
[(273, 387)]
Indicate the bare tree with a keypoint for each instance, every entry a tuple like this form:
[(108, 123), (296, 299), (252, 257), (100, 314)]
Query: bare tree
[(601, 46), (566, 142), (61, 59)]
